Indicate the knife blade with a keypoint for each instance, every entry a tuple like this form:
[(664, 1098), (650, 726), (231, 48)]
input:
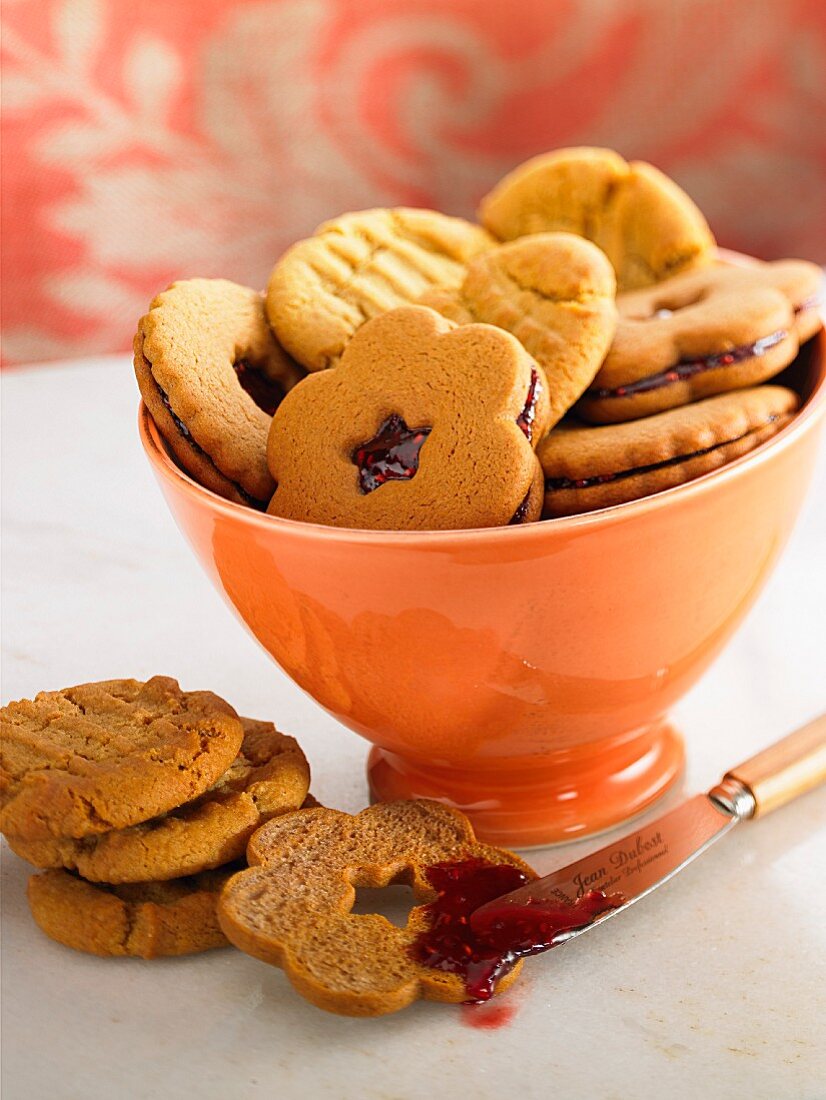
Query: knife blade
[(638, 863), (631, 867)]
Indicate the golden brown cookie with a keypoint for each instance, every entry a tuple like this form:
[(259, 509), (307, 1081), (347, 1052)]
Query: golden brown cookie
[(590, 468), (108, 755), (270, 776), (645, 224), (360, 265), (555, 293), (423, 426), (146, 919), (703, 332), (292, 908), (212, 374), (804, 284)]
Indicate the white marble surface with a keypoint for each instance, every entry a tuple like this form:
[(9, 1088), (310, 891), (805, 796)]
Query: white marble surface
[(715, 987)]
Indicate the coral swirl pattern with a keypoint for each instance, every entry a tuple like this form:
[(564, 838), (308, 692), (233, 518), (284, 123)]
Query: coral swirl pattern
[(204, 138)]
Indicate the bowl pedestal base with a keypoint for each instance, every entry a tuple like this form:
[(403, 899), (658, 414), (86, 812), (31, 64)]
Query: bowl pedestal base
[(553, 798)]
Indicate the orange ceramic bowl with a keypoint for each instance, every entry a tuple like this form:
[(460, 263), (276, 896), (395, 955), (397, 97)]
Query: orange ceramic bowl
[(523, 674)]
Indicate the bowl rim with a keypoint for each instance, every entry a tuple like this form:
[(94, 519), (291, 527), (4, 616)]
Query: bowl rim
[(814, 408), (163, 462)]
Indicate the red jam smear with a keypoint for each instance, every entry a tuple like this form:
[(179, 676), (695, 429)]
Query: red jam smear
[(391, 455), (487, 1017), (266, 394), (528, 415), (687, 368), (482, 952)]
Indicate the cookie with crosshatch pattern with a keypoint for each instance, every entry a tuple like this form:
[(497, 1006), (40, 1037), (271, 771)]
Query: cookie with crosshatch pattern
[(555, 293), (269, 776), (358, 266), (107, 755)]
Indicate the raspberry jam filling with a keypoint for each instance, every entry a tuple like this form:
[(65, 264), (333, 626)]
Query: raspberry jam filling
[(179, 424), (555, 483), (521, 512), (687, 368), (481, 955), (528, 415), (814, 302), (266, 394), (391, 455), (187, 435)]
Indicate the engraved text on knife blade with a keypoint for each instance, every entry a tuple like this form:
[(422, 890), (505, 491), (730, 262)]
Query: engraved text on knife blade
[(640, 861)]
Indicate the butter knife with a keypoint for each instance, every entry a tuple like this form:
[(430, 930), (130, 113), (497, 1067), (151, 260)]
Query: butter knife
[(651, 855)]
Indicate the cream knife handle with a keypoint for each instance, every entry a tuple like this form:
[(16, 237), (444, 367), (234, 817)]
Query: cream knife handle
[(778, 774)]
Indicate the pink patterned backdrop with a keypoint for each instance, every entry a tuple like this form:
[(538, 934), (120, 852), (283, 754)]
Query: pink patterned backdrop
[(145, 140)]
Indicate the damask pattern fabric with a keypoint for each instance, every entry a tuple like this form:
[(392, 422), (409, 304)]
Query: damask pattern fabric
[(162, 138)]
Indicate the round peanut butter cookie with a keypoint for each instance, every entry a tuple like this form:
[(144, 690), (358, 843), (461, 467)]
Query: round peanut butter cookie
[(703, 332), (590, 468), (211, 374), (293, 907), (147, 919), (358, 266), (555, 293), (108, 755), (645, 224), (423, 426), (270, 776)]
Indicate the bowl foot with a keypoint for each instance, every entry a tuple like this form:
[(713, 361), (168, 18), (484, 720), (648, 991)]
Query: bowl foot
[(554, 798)]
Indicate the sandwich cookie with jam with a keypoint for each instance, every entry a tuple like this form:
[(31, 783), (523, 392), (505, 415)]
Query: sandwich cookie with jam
[(423, 425), (705, 332), (587, 468), (211, 374)]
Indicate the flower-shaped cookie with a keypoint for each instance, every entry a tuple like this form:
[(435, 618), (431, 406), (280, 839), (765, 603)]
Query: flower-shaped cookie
[(292, 907), (423, 425)]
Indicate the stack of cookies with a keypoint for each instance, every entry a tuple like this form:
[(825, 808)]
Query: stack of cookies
[(164, 824), (581, 347), (137, 800)]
